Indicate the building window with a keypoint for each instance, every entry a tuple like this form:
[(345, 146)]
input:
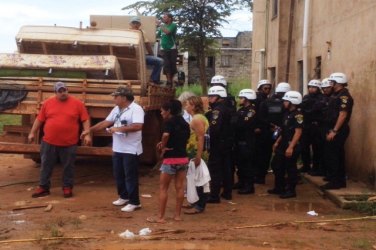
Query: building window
[(225, 43), (317, 68), (274, 8), (210, 62), (192, 58), (226, 61)]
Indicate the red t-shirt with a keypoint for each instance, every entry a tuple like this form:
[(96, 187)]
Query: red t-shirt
[(62, 120)]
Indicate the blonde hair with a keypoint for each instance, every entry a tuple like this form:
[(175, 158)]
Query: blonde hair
[(197, 103)]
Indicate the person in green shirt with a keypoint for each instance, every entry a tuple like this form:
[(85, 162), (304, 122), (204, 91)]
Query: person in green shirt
[(167, 33)]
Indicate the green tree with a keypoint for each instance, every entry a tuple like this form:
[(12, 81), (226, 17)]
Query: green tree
[(198, 21)]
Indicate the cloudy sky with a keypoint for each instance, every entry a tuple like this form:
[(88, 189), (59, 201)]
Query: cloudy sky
[(15, 13)]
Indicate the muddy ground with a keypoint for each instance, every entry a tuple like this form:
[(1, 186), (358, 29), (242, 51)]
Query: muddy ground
[(258, 221)]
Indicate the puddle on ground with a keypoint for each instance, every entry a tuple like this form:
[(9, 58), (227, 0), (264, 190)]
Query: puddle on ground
[(295, 206)]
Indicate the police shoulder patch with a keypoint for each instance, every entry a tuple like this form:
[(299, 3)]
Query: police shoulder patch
[(215, 114), (344, 98), (343, 106), (299, 118), (250, 113)]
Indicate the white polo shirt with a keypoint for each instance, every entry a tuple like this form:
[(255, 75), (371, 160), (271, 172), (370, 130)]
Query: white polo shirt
[(130, 142)]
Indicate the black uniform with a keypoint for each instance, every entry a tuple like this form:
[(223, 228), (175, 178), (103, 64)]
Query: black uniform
[(244, 147), (280, 163), (324, 128), (270, 115), (220, 148), (312, 107), (334, 151)]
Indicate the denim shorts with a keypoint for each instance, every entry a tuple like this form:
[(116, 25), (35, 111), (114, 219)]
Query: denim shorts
[(173, 169)]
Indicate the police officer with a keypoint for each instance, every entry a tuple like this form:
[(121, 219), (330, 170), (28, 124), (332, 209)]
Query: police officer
[(287, 148), (312, 107), (270, 115), (245, 140), (336, 120), (230, 102), (220, 145), (263, 90), (219, 80), (327, 90)]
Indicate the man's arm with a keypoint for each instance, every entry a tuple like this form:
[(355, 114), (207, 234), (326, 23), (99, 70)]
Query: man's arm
[(294, 141), (128, 128), (340, 120), (149, 49), (36, 126), (87, 138), (99, 126)]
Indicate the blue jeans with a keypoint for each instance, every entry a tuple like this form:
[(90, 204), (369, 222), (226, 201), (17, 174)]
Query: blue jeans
[(125, 167), (49, 154), (202, 197), (157, 64)]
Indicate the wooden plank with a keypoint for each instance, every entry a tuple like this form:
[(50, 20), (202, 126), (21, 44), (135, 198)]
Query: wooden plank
[(26, 129), (69, 80), (19, 148)]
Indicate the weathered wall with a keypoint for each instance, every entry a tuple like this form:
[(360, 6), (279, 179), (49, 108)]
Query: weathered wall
[(258, 39), (347, 29), (238, 52), (240, 67)]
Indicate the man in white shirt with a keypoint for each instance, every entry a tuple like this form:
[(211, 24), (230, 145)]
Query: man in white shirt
[(125, 124)]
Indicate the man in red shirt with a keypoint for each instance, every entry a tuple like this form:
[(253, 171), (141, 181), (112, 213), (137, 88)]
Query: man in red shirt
[(61, 115)]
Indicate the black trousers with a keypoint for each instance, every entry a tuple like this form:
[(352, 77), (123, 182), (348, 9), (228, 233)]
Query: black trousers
[(282, 165), (244, 163), (312, 141), (263, 153), (220, 168), (334, 156)]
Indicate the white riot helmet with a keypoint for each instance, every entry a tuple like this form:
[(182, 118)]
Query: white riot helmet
[(283, 87), (249, 94), (326, 83), (263, 82), (218, 79), (293, 96), (338, 78), (217, 90), (314, 83)]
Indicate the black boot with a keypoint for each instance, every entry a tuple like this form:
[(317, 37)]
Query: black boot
[(288, 194), (247, 189), (238, 185), (275, 191)]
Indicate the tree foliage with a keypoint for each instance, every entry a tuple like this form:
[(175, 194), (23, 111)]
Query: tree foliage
[(199, 22)]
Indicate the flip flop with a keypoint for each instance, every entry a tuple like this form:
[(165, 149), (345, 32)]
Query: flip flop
[(188, 206), (191, 212), (154, 220)]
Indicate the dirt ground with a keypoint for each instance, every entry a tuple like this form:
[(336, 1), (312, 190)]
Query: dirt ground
[(258, 221)]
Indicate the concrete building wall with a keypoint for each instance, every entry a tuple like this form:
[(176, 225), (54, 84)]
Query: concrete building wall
[(343, 35), (232, 61), (239, 66)]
